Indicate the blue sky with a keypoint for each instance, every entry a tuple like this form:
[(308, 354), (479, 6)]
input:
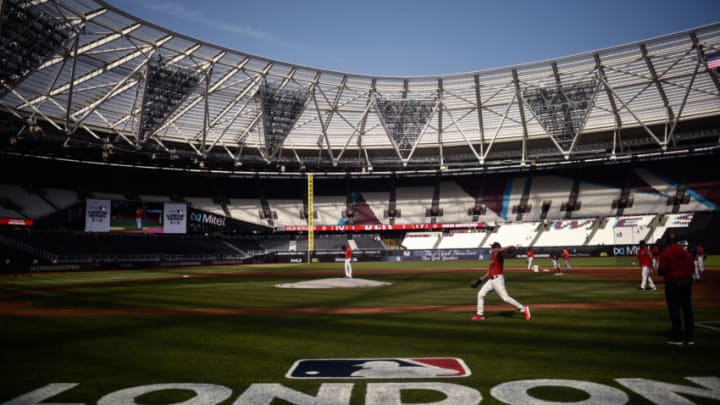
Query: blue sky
[(421, 37)]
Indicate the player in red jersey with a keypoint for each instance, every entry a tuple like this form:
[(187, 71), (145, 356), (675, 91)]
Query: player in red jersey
[(644, 258), (138, 218), (496, 281), (530, 255), (655, 250), (566, 259), (348, 261)]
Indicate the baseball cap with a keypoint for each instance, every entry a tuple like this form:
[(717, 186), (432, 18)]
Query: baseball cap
[(495, 245)]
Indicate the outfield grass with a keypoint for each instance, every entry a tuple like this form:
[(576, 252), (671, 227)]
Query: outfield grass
[(106, 353)]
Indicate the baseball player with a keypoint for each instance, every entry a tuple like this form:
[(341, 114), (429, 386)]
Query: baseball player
[(138, 217), (555, 256), (699, 261), (566, 259), (655, 250), (530, 255), (496, 281), (348, 261), (644, 258)]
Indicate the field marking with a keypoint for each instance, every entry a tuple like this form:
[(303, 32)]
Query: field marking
[(704, 325)]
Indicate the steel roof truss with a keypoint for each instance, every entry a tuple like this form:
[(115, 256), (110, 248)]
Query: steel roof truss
[(232, 121), (481, 124), (88, 76), (472, 148), (197, 99), (141, 135), (219, 83), (497, 130), (516, 81), (671, 135), (663, 144), (583, 121), (356, 130), (246, 132), (325, 125), (417, 141), (35, 109), (89, 47), (333, 105), (114, 128), (120, 87), (136, 110), (226, 109)]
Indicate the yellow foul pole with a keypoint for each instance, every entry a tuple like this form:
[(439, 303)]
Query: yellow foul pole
[(310, 211)]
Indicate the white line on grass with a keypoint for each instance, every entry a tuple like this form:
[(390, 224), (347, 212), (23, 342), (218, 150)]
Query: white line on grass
[(704, 325)]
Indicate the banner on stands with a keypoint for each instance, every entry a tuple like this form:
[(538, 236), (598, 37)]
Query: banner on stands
[(16, 221), (383, 227)]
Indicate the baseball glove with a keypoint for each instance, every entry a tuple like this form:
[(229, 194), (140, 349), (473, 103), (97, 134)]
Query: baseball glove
[(475, 283)]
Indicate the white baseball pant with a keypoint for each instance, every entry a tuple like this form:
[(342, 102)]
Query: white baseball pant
[(496, 283), (348, 268), (646, 279)]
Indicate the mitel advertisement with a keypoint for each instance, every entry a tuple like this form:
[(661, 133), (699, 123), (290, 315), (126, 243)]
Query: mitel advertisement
[(202, 221)]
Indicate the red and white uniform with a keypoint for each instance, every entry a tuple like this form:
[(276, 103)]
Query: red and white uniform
[(138, 218), (496, 282), (348, 262), (644, 258), (655, 256), (530, 257), (566, 259)]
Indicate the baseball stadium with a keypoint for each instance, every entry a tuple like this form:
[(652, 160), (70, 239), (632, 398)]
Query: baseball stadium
[(175, 216)]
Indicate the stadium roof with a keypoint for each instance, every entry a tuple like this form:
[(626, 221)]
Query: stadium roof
[(82, 80)]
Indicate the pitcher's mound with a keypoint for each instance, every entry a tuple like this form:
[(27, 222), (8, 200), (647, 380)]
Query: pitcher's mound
[(334, 283)]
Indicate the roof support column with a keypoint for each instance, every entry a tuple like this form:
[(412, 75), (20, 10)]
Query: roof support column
[(611, 99), (519, 98), (658, 85), (481, 125), (72, 82)]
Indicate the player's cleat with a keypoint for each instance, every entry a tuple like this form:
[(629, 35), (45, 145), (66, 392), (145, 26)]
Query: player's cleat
[(526, 312), (654, 288), (478, 317), (675, 342)]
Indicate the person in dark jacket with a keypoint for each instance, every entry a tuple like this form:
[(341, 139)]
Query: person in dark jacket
[(676, 266)]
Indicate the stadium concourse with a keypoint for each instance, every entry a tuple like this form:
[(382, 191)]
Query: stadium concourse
[(123, 144)]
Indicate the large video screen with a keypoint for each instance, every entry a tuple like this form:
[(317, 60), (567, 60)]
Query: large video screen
[(135, 216)]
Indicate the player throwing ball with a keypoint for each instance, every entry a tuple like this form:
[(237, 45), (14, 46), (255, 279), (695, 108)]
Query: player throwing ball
[(495, 280)]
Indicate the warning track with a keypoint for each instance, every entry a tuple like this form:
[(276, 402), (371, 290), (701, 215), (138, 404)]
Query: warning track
[(15, 305)]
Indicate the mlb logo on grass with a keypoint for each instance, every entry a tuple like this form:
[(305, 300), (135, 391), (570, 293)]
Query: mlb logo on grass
[(394, 367)]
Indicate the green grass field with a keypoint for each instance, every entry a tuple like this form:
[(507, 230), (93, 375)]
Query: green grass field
[(109, 331)]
